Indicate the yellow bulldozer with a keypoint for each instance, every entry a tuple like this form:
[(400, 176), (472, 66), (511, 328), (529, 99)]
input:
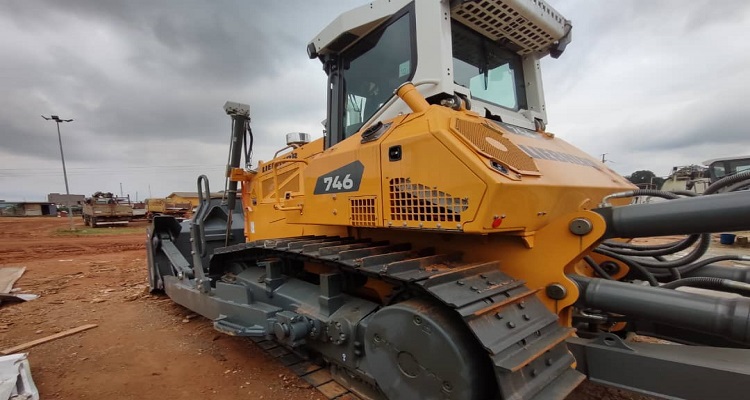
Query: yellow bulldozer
[(439, 243)]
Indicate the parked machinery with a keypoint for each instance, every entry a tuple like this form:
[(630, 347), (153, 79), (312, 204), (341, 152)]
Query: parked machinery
[(106, 209), (440, 243), (168, 207)]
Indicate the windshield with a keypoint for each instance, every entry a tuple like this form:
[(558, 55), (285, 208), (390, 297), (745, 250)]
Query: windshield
[(373, 69), (490, 71), (720, 169)]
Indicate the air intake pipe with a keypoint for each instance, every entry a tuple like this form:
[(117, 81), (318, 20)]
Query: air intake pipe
[(411, 96)]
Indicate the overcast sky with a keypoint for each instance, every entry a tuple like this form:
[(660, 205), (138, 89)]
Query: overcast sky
[(652, 83)]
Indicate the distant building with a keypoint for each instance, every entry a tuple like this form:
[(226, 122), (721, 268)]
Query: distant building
[(27, 209), (63, 200)]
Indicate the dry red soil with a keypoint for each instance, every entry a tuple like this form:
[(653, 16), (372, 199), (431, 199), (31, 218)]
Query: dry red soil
[(145, 347)]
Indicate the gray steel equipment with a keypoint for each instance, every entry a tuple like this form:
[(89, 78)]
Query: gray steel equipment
[(417, 318), (260, 289), (725, 318), (725, 212)]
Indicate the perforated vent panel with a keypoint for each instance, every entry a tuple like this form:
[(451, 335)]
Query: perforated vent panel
[(496, 146), (363, 212), (416, 202), (512, 20)]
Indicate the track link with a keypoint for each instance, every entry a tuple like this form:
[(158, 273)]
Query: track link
[(521, 337)]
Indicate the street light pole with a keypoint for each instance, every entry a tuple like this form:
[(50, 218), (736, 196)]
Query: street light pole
[(62, 157)]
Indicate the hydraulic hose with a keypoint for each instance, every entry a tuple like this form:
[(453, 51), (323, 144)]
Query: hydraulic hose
[(726, 181), (710, 283), (597, 268), (623, 245), (739, 186), (686, 216), (645, 252), (735, 273), (702, 263), (695, 254), (628, 249), (639, 192), (632, 264)]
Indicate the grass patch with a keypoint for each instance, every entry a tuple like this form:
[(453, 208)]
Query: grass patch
[(103, 231)]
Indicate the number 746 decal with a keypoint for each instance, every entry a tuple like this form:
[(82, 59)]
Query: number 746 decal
[(346, 183), (344, 179)]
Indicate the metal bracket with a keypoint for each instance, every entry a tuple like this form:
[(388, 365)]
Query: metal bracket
[(273, 278), (667, 370), (330, 298)]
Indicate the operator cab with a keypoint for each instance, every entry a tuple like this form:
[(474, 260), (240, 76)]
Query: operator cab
[(721, 167), (485, 53)]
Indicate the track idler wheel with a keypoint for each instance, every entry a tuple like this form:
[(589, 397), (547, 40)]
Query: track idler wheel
[(420, 350)]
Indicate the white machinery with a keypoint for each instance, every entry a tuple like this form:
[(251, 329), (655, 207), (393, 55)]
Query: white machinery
[(486, 52)]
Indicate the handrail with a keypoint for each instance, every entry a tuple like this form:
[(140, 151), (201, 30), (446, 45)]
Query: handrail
[(204, 200), (273, 163), (289, 146)]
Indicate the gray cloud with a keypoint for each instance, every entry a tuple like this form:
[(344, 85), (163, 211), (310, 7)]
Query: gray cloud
[(145, 83), (654, 84)]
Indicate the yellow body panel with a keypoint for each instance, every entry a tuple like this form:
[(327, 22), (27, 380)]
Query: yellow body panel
[(459, 182)]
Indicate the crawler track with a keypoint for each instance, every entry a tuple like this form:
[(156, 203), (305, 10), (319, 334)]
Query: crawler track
[(523, 340)]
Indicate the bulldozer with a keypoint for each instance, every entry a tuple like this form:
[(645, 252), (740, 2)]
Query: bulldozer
[(438, 242)]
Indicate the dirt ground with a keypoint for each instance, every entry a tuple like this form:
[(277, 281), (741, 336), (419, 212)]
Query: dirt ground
[(145, 347)]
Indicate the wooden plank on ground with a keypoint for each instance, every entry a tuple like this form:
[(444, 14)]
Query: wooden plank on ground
[(304, 368), (332, 390), (48, 339), (267, 345), (277, 352), (290, 359), (349, 396), (318, 378)]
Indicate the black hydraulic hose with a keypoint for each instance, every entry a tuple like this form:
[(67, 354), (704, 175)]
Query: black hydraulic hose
[(643, 252), (726, 181), (632, 264), (597, 268), (662, 274), (739, 186), (710, 283), (732, 272), (694, 270), (694, 255), (659, 249), (623, 245), (684, 193), (702, 263), (652, 193), (674, 269)]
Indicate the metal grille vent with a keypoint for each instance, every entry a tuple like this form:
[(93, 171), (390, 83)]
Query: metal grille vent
[(363, 211), (490, 142), (510, 20), (416, 202)]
